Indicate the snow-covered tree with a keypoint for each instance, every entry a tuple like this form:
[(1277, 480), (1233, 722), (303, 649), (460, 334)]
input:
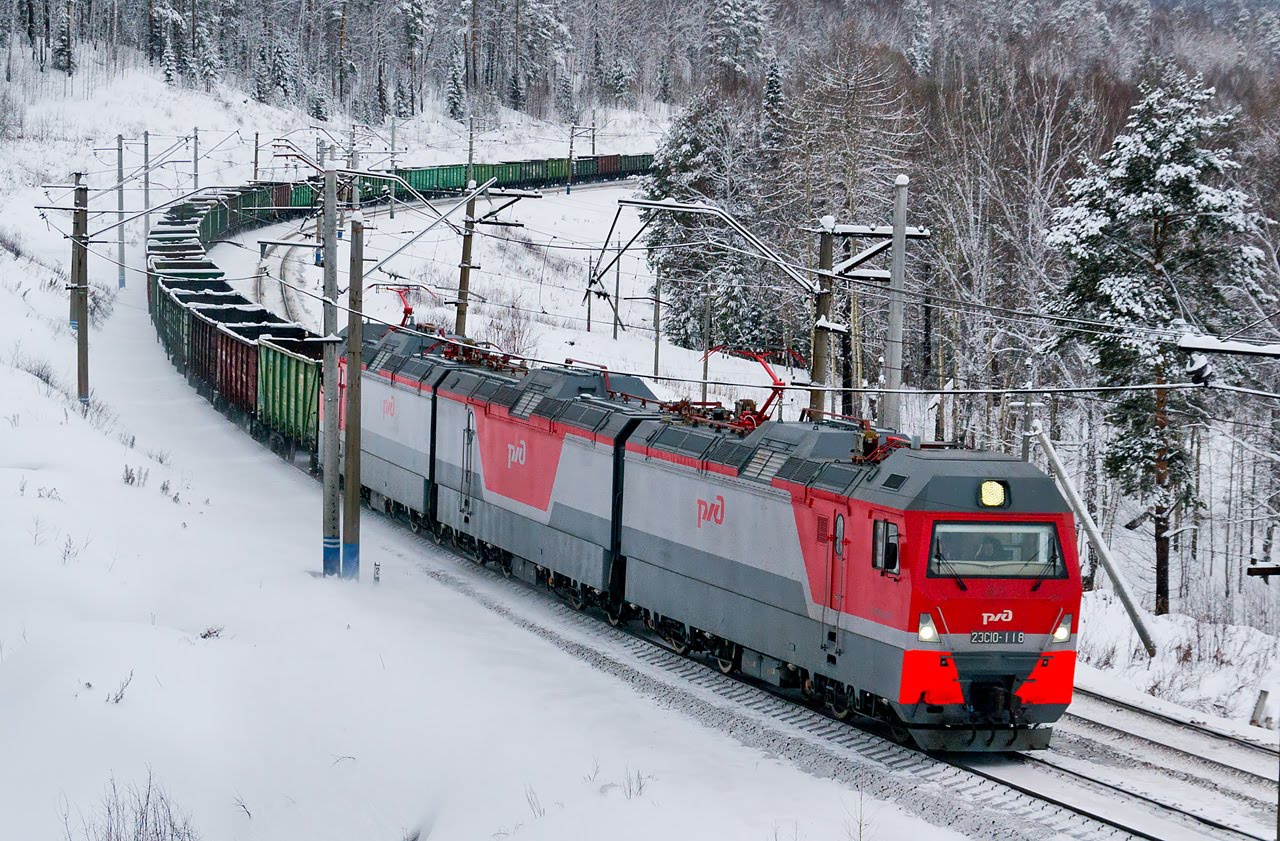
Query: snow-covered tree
[(456, 95), (1154, 239), (564, 97), (736, 29), (64, 54), (404, 102), (919, 17), (262, 87), (206, 63), (621, 77), (169, 63), (773, 116), (382, 97)]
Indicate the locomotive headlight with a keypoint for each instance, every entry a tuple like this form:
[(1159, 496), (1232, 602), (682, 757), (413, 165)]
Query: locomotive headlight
[(1062, 633), (992, 494), (928, 632)]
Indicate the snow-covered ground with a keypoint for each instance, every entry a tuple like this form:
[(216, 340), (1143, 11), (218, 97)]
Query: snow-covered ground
[(160, 613)]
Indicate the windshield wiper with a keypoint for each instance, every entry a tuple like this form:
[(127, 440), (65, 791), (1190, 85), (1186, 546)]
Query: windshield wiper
[(937, 553), (1052, 566)]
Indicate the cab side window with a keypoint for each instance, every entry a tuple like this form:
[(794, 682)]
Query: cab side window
[(884, 546)]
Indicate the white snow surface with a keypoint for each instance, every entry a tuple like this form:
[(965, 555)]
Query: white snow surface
[(269, 702)]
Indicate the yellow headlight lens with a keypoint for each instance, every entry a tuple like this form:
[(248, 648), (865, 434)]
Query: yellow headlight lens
[(992, 494), (1062, 633)]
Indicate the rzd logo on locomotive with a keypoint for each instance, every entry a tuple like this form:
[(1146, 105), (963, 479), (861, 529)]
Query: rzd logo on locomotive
[(711, 511), (515, 453), (1005, 615), (389, 407)]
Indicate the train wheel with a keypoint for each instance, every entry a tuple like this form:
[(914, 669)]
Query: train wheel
[(505, 566), (679, 644), (728, 665), (613, 615), (838, 706), (415, 523), (577, 598)]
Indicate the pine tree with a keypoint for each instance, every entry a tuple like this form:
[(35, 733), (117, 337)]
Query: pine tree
[(1152, 241), (773, 130), (621, 78), (404, 102), (318, 106), (286, 72), (207, 66), (920, 53), (736, 38), (64, 57), (382, 97), (262, 87), (564, 97), (515, 91), (456, 96), (169, 63)]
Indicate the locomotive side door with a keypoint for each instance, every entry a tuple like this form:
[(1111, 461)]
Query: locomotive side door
[(833, 596), (468, 474)]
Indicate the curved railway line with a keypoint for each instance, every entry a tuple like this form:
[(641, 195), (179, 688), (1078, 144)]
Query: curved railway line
[(993, 796)]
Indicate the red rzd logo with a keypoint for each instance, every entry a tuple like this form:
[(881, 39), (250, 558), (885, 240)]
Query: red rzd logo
[(389, 407), (711, 511)]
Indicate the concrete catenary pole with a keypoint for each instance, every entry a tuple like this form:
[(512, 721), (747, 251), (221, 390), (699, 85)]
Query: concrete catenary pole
[(468, 231), (255, 156), (617, 291), (146, 184), (706, 338), (657, 320), (391, 207), (195, 158), (80, 282), (821, 337), (891, 404), (569, 187), (120, 209), (331, 543), (355, 360)]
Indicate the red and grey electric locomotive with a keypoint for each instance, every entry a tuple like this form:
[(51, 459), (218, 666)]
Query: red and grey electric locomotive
[(934, 589)]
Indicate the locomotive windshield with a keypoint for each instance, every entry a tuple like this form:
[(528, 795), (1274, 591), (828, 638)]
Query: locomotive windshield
[(996, 550)]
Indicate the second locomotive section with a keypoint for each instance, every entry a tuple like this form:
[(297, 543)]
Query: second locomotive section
[(936, 590)]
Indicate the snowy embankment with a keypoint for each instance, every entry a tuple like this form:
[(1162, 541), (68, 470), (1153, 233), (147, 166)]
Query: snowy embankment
[(160, 613)]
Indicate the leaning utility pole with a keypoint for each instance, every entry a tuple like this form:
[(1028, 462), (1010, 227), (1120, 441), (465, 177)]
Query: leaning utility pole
[(468, 232), (120, 209), (80, 287), (821, 340), (355, 348), (329, 505), (891, 402)]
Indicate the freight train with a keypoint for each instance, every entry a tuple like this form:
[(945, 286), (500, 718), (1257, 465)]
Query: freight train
[(935, 590)]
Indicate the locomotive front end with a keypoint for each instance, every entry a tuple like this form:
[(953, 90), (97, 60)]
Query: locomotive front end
[(995, 602)]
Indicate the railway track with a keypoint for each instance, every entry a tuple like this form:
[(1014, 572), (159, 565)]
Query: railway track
[(1035, 797)]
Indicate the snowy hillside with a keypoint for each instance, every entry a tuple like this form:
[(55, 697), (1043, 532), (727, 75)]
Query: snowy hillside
[(160, 615)]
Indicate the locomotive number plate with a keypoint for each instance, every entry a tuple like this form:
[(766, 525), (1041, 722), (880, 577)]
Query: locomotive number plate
[(996, 637)]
